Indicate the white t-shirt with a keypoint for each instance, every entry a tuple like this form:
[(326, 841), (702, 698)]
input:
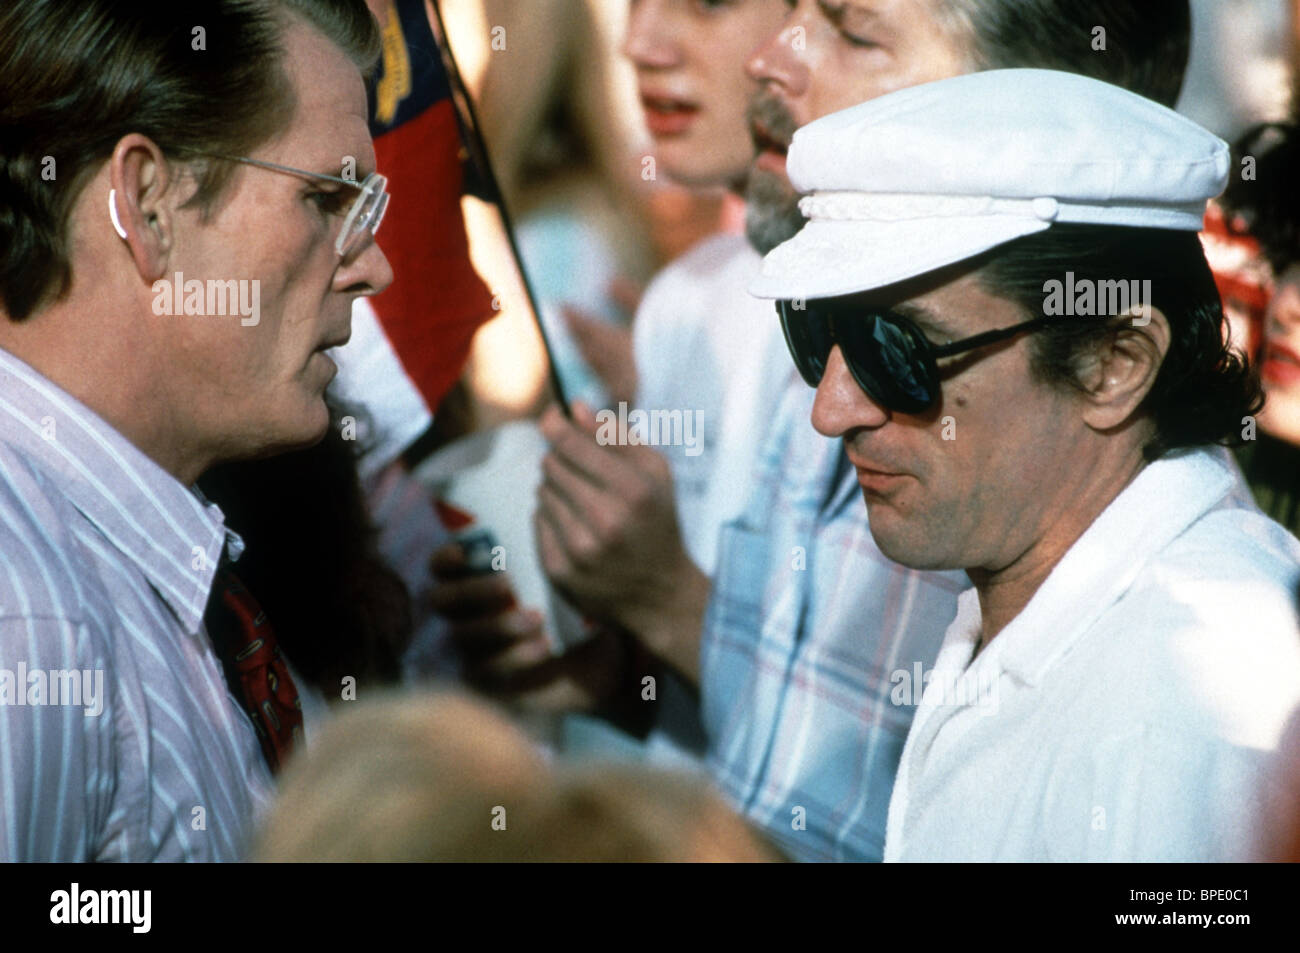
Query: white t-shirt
[(372, 382), (1130, 711), (703, 343)]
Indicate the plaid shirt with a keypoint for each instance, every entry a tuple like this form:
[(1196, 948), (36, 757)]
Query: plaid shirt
[(810, 645)]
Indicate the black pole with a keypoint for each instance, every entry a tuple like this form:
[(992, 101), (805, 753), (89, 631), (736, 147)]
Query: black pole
[(469, 120)]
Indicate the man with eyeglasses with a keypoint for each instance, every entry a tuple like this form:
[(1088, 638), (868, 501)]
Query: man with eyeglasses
[(139, 145), (1118, 677)]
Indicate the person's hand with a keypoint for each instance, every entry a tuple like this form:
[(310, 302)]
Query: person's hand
[(504, 649), (608, 539), (607, 349)]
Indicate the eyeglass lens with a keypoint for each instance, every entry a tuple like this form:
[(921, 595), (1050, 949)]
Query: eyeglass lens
[(366, 213), (888, 359)]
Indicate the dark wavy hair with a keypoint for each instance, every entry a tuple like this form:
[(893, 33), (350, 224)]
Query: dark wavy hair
[(1203, 388), (1269, 204), (78, 75)]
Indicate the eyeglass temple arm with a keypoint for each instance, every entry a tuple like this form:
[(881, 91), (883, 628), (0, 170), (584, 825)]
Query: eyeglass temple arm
[(988, 337), (285, 168)]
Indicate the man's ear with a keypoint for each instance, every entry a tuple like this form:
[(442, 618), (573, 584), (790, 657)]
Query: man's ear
[(140, 177), (1123, 368)]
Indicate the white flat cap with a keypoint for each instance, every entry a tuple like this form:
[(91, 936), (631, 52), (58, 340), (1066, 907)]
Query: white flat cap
[(934, 174)]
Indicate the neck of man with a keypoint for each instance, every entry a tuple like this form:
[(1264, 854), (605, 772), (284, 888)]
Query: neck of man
[(1070, 511), (104, 361)]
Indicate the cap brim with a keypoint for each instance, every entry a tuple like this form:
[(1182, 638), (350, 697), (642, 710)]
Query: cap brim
[(831, 258)]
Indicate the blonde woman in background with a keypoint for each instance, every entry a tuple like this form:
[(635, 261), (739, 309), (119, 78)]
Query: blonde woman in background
[(558, 116)]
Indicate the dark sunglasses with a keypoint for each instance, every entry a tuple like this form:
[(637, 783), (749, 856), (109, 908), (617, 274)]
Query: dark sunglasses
[(885, 352)]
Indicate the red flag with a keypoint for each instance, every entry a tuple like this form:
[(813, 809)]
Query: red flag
[(437, 301)]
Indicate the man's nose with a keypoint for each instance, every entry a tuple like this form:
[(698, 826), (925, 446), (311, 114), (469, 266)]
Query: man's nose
[(651, 41), (780, 59), (367, 272), (842, 405)]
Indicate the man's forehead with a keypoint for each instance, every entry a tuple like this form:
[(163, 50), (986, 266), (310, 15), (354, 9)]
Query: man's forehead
[(333, 149), (330, 117), (875, 13)]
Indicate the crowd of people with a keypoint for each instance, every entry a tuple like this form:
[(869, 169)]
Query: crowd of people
[(987, 550)]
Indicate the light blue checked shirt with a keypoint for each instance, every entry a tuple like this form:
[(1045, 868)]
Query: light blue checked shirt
[(809, 631), (106, 562)]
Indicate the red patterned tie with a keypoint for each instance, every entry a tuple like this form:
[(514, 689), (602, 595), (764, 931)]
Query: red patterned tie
[(257, 674)]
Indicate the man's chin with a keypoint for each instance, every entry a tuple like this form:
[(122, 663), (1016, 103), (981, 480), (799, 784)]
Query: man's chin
[(772, 213), (304, 431), (316, 428), (902, 541)]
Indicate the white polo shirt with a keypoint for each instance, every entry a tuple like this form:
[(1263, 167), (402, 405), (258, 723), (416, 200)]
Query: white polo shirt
[(1129, 712)]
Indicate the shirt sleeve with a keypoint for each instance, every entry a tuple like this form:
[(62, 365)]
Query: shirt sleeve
[(1156, 794), (55, 741)]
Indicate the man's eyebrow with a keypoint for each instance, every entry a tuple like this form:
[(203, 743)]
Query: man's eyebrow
[(924, 318)]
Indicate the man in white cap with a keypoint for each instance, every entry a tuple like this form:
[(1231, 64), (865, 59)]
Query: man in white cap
[(1003, 304)]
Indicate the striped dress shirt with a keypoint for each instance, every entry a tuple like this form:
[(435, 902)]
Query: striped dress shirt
[(119, 739), (811, 643)]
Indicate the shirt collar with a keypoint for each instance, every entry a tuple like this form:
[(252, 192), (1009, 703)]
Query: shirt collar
[(170, 533), (1166, 498)]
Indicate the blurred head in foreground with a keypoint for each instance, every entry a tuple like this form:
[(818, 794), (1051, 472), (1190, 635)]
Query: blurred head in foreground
[(445, 778)]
